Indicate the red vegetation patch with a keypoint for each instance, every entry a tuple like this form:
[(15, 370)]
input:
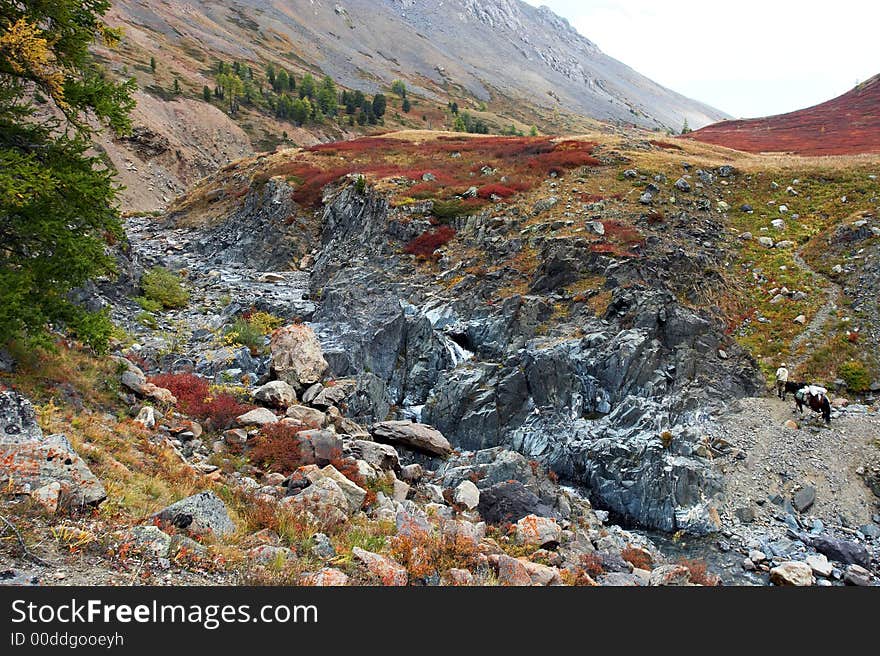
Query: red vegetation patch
[(425, 244), (495, 190), (276, 448), (847, 125), (592, 564), (665, 145), (699, 572), (455, 162), (639, 558), (194, 398)]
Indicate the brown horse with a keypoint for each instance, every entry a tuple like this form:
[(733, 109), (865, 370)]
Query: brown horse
[(819, 404)]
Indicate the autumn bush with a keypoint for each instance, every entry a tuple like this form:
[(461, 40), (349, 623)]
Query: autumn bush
[(276, 448), (699, 572), (424, 554), (428, 242), (196, 399), (592, 564), (638, 558)]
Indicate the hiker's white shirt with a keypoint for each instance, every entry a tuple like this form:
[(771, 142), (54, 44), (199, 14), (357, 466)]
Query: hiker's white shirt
[(782, 375)]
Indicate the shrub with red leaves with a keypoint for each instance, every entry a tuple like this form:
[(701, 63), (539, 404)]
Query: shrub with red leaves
[(195, 399), (699, 572), (276, 448), (425, 244), (495, 190)]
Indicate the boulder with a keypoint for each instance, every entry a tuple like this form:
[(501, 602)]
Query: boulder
[(538, 531), (276, 394), (354, 494), (820, 565), (792, 573), (297, 358), (326, 577), (509, 502), (856, 575), (30, 460), (511, 571), (201, 514), (381, 456), (146, 540), (257, 417), (541, 574), (135, 380), (804, 498), (466, 494), (146, 417), (386, 570), (319, 447), (420, 437), (843, 551), (305, 416), (324, 499)]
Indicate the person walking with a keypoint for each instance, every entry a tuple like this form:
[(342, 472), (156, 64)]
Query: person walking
[(781, 380)]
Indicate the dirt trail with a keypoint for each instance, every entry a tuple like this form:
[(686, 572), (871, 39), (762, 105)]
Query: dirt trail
[(769, 458), (814, 328)]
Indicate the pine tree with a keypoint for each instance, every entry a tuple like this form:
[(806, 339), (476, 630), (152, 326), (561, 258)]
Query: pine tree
[(206, 93), (176, 88), (380, 103), (153, 65), (406, 106), (57, 198)]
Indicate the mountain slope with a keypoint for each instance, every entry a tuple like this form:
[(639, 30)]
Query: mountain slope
[(498, 50), (847, 125)]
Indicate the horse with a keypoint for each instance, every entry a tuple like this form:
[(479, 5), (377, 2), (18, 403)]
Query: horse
[(819, 404), (792, 388)]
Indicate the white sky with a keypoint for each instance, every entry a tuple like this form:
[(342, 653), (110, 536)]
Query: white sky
[(748, 58)]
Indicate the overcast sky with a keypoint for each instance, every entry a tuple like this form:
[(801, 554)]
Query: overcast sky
[(745, 57)]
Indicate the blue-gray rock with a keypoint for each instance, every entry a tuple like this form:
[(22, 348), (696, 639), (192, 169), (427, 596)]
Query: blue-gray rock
[(841, 550), (200, 514)]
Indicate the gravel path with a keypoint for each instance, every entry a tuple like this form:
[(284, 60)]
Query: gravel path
[(766, 458), (815, 327)]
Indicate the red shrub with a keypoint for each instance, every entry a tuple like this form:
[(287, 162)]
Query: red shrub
[(425, 244), (639, 558), (665, 145), (592, 564), (699, 572), (495, 190), (194, 398), (276, 448)]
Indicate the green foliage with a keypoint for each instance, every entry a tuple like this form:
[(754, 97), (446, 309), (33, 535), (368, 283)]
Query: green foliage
[(464, 122), (399, 88), (57, 198), (206, 94), (380, 103), (856, 375), (406, 105), (164, 287), (153, 64), (250, 330)]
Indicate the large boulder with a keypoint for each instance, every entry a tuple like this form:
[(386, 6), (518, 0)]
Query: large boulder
[(420, 437), (199, 515), (386, 570), (30, 460), (297, 358), (538, 531), (509, 502), (843, 551), (792, 573), (276, 394), (354, 494)]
